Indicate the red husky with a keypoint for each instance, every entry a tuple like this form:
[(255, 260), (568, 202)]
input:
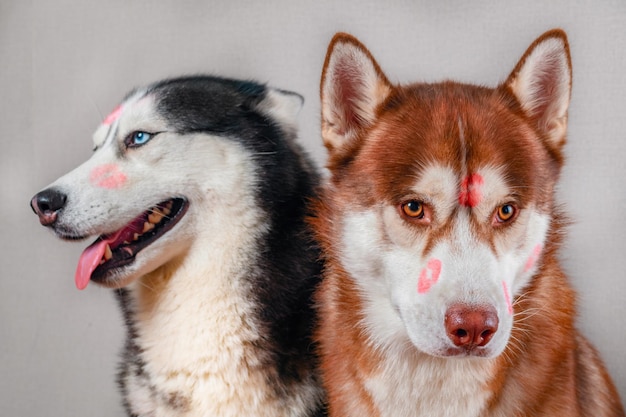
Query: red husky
[(443, 294)]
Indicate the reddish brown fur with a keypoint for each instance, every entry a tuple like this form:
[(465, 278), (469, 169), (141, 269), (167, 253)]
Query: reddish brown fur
[(347, 360), (548, 368)]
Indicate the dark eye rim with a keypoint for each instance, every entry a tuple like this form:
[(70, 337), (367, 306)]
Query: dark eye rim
[(424, 216), (419, 211), (499, 221), (128, 141)]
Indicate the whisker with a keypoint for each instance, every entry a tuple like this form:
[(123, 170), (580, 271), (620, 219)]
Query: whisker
[(153, 210), (143, 284)]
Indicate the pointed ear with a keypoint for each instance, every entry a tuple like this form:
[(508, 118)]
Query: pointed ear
[(352, 87), (542, 82)]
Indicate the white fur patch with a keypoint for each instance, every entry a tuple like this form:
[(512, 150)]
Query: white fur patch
[(413, 384), (283, 106), (494, 192)]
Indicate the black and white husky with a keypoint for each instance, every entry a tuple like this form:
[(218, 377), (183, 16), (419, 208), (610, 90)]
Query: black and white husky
[(198, 193)]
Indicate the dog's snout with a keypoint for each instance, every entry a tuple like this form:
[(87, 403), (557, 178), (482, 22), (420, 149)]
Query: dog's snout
[(471, 326), (47, 204)]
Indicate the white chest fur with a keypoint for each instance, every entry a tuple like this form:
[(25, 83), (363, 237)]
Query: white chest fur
[(413, 384), (197, 335)]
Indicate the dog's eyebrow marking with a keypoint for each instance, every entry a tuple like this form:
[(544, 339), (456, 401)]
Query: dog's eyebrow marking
[(429, 276), (107, 176), (507, 297), (113, 116), (471, 194), (534, 256)]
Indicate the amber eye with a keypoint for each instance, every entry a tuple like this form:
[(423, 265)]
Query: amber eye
[(413, 209), (505, 213)]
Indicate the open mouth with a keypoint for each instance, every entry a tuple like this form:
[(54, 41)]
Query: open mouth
[(119, 248)]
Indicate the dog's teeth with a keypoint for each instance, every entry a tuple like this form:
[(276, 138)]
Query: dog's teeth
[(147, 226), (167, 207), (155, 217), (126, 242), (107, 253), (136, 236)]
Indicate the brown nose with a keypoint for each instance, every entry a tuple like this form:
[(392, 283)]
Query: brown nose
[(470, 326), (47, 204)]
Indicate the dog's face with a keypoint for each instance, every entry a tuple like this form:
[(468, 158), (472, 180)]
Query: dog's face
[(441, 194), (169, 171)]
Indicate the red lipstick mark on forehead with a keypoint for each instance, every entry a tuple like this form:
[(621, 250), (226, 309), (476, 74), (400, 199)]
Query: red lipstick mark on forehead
[(113, 116), (471, 193)]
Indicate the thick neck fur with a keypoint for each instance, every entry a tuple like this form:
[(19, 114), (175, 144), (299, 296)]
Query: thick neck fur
[(197, 336), (195, 302)]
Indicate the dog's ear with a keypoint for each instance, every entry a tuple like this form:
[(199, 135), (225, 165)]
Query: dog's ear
[(282, 106), (541, 82), (352, 87)]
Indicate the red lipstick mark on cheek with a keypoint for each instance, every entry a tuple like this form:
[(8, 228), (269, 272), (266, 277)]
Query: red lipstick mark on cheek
[(113, 116), (534, 256), (471, 194), (107, 176), (507, 297), (429, 276)]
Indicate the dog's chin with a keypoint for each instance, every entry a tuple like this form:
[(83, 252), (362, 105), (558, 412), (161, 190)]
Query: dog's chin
[(478, 352), (453, 352), (114, 260), (117, 278)]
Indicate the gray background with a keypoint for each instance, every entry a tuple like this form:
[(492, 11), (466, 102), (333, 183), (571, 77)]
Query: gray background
[(66, 63)]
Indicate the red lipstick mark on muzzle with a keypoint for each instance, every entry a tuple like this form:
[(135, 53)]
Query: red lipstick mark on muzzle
[(507, 297), (107, 176), (429, 276), (534, 256)]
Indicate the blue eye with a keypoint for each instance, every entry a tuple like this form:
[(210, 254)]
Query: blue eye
[(138, 138)]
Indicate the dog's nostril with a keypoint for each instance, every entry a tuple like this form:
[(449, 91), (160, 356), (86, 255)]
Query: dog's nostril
[(46, 205), (460, 333), (486, 335)]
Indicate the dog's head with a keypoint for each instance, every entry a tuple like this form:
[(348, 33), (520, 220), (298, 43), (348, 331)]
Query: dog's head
[(441, 195), (175, 164)]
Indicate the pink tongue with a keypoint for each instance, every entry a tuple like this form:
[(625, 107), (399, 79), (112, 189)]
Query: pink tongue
[(88, 261), (91, 257)]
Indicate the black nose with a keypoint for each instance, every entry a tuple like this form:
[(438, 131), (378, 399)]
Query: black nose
[(47, 204)]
